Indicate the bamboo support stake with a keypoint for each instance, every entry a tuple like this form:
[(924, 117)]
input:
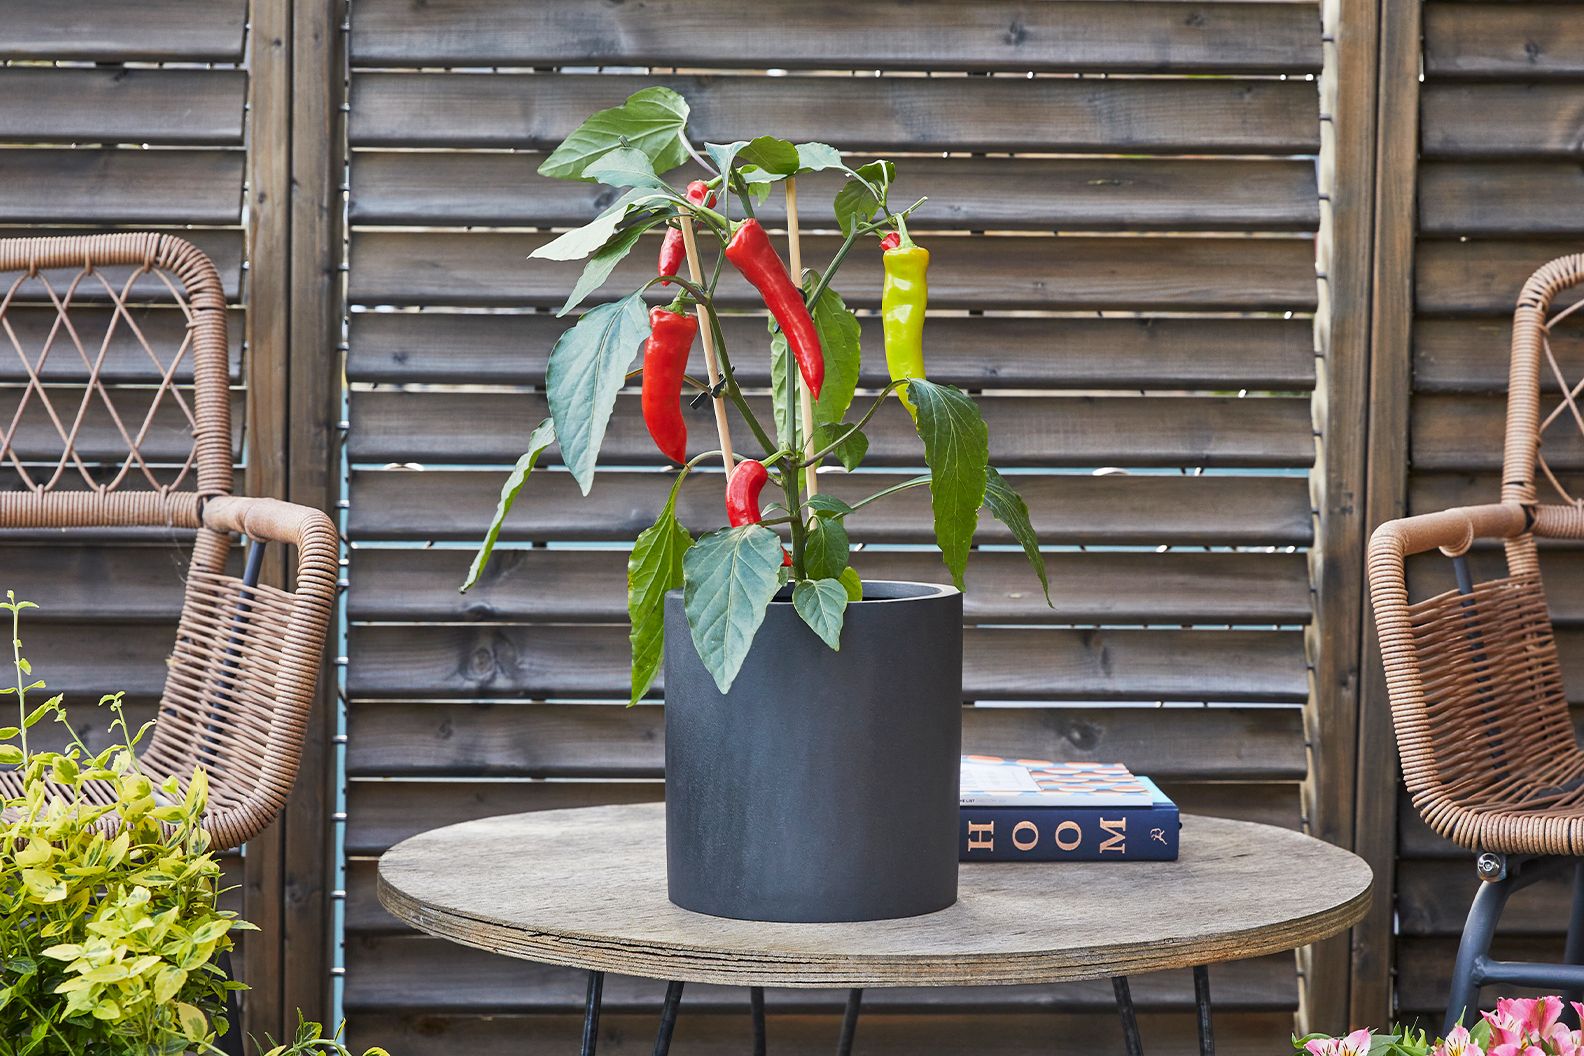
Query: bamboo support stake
[(707, 332), (806, 398)]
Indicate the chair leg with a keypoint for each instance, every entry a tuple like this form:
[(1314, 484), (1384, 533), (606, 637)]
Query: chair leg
[(1467, 970), (1573, 953)]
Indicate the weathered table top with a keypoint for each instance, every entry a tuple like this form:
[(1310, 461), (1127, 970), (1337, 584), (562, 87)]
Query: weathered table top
[(586, 888)]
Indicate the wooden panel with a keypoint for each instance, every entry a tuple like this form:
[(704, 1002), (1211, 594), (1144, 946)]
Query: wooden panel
[(1424, 974), (154, 30), (935, 35), (168, 437), (1519, 41), (1202, 274), (86, 660), (195, 107), (1500, 198), (383, 812), (1106, 587), (1465, 432), (1110, 194), (121, 186), (1501, 120), (1069, 430), (1482, 278), (575, 740), (1471, 355), (397, 974), (124, 358), (898, 113), (1066, 508), (536, 661), (80, 581), (1167, 1034), (1433, 899), (1174, 352)]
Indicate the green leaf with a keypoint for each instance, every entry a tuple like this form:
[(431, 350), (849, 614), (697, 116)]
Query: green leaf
[(825, 548), (856, 202), (724, 154), (603, 262), (850, 452), (650, 121), (728, 579), (778, 375), (852, 582), (1010, 509), (626, 167), (10, 755), (771, 154), (654, 567), (813, 157), (823, 605), (957, 451), (542, 437), (838, 335), (827, 505), (588, 367), (580, 242)]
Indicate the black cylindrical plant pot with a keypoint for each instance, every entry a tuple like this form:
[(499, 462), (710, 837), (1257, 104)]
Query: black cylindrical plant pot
[(823, 787)]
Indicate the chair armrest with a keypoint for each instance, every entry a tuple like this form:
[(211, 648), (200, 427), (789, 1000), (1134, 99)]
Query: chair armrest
[(271, 520), (1450, 531)]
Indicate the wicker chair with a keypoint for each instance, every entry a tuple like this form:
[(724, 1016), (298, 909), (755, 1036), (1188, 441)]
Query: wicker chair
[(1488, 750), (240, 680)]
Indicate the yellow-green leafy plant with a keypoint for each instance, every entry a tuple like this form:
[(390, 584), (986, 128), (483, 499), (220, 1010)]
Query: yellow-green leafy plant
[(108, 943)]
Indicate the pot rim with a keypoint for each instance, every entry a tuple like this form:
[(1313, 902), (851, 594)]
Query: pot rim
[(929, 592)]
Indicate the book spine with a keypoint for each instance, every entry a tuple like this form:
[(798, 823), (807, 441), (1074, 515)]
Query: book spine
[(1062, 834)]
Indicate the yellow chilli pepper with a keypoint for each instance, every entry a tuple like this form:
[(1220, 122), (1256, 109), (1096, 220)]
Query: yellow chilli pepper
[(902, 301)]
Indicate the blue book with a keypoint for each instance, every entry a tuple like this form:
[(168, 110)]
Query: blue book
[(1068, 823)]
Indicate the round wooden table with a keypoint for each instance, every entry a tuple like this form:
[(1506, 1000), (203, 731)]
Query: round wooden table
[(586, 888)]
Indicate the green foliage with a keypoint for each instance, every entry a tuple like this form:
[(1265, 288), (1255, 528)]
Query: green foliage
[(653, 568), (823, 605), (957, 451), (728, 578), (542, 437), (650, 121), (310, 1040), (588, 367), (838, 336), (1009, 508)]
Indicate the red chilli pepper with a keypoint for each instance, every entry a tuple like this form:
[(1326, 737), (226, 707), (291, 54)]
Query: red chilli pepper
[(891, 241), (752, 254), (665, 359), (742, 497), (673, 250)]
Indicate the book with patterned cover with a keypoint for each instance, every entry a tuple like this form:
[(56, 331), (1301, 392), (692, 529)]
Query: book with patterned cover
[(995, 781)]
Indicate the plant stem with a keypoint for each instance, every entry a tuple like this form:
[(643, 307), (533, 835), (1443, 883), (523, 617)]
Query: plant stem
[(844, 437), (915, 482), (16, 655)]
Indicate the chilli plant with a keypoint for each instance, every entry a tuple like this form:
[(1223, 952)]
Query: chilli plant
[(110, 941), (729, 576)]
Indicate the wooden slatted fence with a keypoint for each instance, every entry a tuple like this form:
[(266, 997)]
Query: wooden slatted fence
[(1122, 218)]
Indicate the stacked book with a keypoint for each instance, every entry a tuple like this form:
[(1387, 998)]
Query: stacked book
[(1035, 810)]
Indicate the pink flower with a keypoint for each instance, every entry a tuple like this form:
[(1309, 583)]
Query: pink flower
[(1355, 1044), (1457, 1043), (1527, 1026)]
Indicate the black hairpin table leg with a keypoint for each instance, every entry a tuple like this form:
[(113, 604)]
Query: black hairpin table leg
[(591, 1012), (668, 1017), (1124, 1002), (1201, 976), (756, 1003), (850, 1021)]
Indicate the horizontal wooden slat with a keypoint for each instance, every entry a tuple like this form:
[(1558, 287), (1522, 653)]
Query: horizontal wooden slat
[(124, 358), (450, 427), (223, 246), (534, 661), (1465, 432), (397, 973), (1532, 119), (72, 580), (168, 437), (1424, 969), (1516, 41), (491, 269), (1174, 352), (1164, 1033), (155, 30), (121, 186), (1500, 198), (384, 812), (1105, 587), (1481, 277), (86, 660), (933, 35), (888, 113), (1472, 355), (180, 107), (1108, 194), (574, 740), (1066, 508), (1433, 899)]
